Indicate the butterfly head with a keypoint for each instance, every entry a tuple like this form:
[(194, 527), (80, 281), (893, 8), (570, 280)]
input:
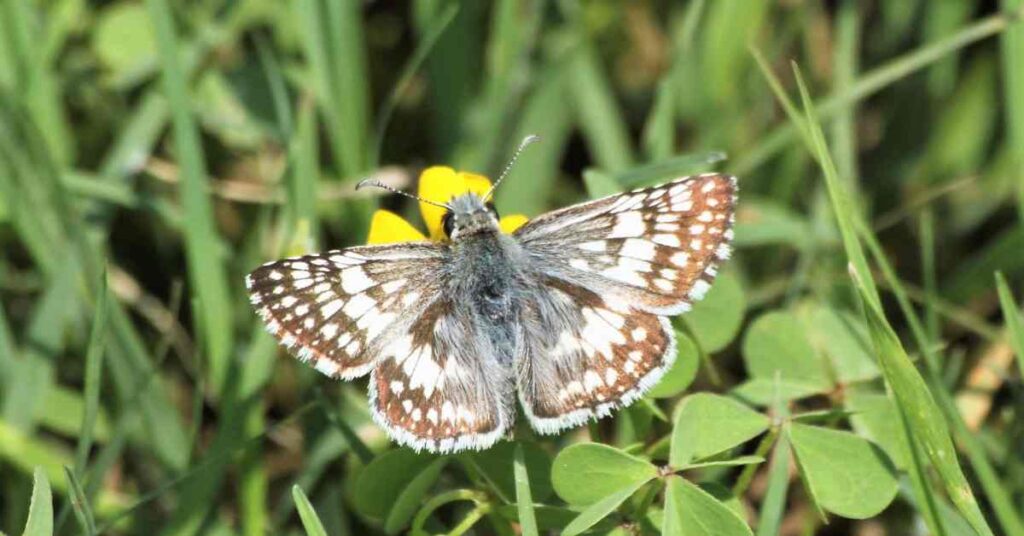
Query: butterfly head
[(469, 214)]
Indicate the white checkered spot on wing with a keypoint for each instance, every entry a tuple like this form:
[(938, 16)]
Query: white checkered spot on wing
[(333, 309), (657, 247)]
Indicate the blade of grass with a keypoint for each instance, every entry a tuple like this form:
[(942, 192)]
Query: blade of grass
[(93, 377), (844, 214), (524, 499), (774, 504), (844, 133), (310, 521), (40, 511), (1012, 54), (432, 32), (1012, 319), (991, 484), (206, 270), (594, 103), (659, 130), (924, 418), (352, 100), (529, 183), (80, 504), (874, 81)]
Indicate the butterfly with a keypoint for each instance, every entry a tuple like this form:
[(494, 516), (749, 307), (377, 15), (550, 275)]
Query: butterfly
[(568, 314)]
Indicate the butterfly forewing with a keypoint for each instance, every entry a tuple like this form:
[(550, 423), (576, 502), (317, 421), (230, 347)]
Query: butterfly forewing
[(658, 246), (334, 309)]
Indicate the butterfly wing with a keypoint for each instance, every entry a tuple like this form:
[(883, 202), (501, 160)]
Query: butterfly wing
[(335, 309), (612, 269), (434, 389), (383, 309), (658, 247), (587, 354)]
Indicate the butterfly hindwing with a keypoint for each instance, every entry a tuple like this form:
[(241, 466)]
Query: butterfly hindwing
[(587, 355), (658, 247), (436, 388), (334, 308)]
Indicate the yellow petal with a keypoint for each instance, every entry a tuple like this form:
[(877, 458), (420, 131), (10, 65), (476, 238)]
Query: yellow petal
[(510, 223), (387, 228), (440, 184)]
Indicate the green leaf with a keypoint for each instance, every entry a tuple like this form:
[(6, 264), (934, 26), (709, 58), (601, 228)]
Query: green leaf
[(601, 508), (411, 496), (600, 184), (845, 473), (776, 345), (691, 511), (683, 371), (497, 467), (40, 511), (524, 498), (774, 504), (707, 424), (874, 417), (310, 521), (588, 472), (716, 320), (765, 222), (383, 482), (923, 418), (124, 42), (844, 339), (765, 391)]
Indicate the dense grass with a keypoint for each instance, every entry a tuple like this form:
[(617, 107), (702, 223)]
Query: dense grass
[(856, 367)]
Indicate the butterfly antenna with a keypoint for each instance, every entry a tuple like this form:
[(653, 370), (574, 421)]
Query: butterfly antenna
[(377, 184), (508, 167)]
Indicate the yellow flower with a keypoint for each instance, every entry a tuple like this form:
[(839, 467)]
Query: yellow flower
[(438, 184)]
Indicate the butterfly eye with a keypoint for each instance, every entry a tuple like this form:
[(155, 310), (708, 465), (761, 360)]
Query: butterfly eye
[(447, 223), (492, 209)]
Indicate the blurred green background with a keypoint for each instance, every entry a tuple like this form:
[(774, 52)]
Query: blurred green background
[(153, 152)]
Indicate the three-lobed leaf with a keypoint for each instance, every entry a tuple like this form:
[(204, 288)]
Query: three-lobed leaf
[(707, 424)]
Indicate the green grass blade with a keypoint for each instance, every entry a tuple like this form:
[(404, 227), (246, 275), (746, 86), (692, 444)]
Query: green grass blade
[(310, 521), (596, 111), (874, 81), (774, 504), (351, 102), (432, 33), (1012, 54), (40, 511), (922, 414), (844, 134), (93, 376), (80, 503), (1012, 319), (524, 498), (206, 269)]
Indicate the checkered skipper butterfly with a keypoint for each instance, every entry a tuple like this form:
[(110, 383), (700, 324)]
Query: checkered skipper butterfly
[(568, 314)]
